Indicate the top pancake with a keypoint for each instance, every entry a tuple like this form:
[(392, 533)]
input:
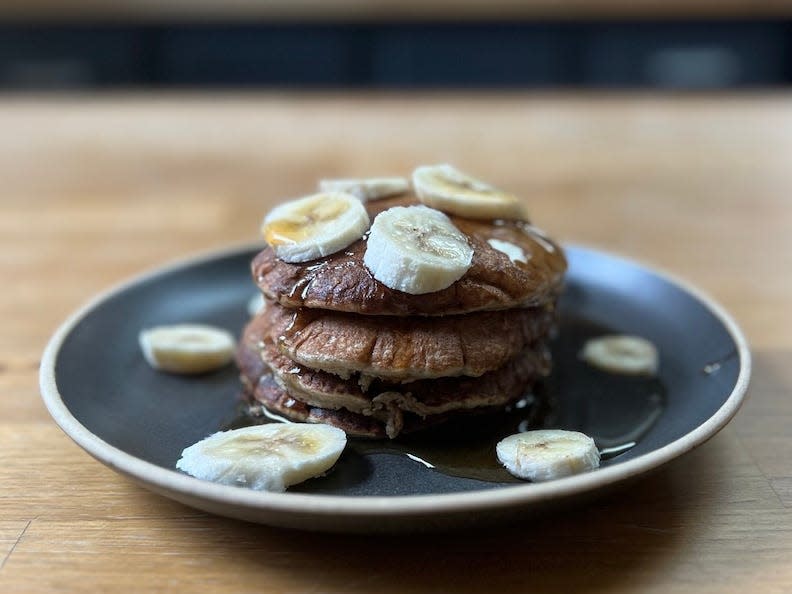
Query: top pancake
[(341, 281)]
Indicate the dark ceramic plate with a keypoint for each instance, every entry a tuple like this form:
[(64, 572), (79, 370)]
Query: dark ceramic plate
[(102, 393)]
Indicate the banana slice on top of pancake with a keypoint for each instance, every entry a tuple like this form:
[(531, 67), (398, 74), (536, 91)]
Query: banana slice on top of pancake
[(446, 188), (370, 188), (417, 250), (315, 226)]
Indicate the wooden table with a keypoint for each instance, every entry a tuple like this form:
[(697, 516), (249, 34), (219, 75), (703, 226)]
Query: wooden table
[(96, 189)]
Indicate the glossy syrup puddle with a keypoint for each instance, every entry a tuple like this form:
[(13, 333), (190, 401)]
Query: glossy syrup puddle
[(616, 410)]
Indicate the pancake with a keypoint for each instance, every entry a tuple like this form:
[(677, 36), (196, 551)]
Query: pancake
[(268, 398), (341, 282), (262, 364), (402, 348)]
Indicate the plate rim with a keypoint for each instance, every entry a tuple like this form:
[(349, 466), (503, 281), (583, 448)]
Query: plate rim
[(169, 481)]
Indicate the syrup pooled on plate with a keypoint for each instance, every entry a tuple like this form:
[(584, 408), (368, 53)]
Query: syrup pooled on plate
[(616, 410)]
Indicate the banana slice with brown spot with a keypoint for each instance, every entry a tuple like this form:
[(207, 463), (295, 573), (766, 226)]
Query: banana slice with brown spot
[(548, 454), (268, 457), (314, 226), (417, 250), (371, 188), (446, 188)]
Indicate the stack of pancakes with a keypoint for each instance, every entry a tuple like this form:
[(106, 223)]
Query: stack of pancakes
[(334, 345)]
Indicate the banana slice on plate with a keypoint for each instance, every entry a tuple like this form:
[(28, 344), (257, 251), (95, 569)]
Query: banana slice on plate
[(256, 305), (446, 188), (187, 348), (622, 353), (314, 226), (265, 457), (371, 188), (417, 250), (547, 454)]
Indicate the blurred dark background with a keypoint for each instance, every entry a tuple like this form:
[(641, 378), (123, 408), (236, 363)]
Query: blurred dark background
[(621, 51)]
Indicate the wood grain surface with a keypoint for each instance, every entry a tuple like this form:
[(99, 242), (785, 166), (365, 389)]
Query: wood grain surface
[(94, 189)]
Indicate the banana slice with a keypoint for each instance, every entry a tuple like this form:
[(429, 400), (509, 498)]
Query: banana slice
[(314, 226), (416, 250), (187, 348), (446, 188), (265, 457), (547, 454), (621, 353), (256, 305), (366, 189)]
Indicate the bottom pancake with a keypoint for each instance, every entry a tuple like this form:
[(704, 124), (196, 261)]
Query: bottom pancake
[(269, 398), (268, 401)]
